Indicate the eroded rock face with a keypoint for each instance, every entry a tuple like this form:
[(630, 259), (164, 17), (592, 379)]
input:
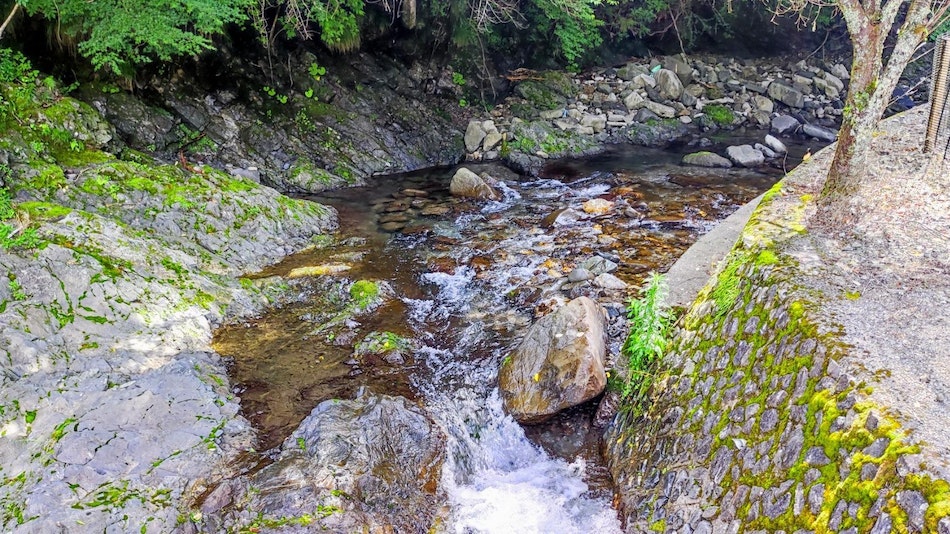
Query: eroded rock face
[(372, 463), (559, 364), (466, 183), (305, 138)]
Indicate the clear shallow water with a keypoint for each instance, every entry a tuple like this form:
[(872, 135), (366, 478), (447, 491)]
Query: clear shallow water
[(465, 279)]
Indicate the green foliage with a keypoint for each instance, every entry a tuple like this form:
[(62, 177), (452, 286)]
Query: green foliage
[(14, 67), (458, 79), (15, 231), (316, 71), (574, 24), (120, 34), (650, 326), (338, 22)]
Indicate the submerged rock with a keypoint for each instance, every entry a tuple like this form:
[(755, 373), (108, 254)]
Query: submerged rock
[(745, 155), (559, 364), (820, 132), (466, 183), (706, 159)]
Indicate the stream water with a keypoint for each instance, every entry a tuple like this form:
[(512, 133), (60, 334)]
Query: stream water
[(461, 281)]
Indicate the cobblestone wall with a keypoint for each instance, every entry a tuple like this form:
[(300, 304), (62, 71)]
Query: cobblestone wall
[(758, 428)]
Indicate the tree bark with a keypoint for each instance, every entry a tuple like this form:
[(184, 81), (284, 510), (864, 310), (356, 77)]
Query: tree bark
[(872, 84)]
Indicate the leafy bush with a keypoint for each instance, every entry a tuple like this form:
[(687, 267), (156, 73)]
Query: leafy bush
[(122, 33), (650, 326)]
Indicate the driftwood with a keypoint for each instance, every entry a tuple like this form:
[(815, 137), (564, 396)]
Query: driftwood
[(522, 74)]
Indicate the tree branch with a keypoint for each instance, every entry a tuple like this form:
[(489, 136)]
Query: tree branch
[(6, 22)]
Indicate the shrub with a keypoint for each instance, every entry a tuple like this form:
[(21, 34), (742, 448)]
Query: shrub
[(650, 325)]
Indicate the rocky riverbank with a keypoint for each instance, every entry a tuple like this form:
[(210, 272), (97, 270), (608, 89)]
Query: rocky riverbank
[(656, 102), (115, 411), (306, 125)]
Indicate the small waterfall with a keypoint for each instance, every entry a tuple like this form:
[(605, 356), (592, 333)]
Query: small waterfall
[(497, 481)]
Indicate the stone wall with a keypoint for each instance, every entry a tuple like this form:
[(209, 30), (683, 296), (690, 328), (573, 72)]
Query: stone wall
[(758, 427)]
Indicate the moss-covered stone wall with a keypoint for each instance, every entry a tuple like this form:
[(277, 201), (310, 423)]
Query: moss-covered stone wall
[(758, 428)]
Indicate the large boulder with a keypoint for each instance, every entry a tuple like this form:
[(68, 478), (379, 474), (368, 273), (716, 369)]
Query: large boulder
[(668, 84), (745, 156), (474, 134), (706, 159), (559, 363), (374, 462), (466, 183), (787, 95)]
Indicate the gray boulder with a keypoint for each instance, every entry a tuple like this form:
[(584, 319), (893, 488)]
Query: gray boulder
[(777, 146), (466, 183), (630, 71), (706, 159), (376, 458), (474, 135), (662, 110), (633, 100), (763, 103), (745, 156), (787, 95), (840, 71), (784, 124), (682, 69), (668, 84), (820, 132), (559, 363)]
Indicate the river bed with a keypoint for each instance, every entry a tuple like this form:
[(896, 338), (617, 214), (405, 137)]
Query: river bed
[(460, 281)]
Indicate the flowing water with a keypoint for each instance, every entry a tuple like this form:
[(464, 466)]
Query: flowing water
[(461, 281)]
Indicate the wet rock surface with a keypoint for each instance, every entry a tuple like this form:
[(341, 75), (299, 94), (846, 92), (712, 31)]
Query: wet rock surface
[(116, 407), (559, 363), (373, 462)]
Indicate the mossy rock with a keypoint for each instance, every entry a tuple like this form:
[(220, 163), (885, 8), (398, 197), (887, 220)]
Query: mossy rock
[(541, 95)]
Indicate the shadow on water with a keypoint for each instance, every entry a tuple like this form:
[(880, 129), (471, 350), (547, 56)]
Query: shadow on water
[(462, 280)]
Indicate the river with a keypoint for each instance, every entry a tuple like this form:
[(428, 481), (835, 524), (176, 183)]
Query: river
[(461, 281)]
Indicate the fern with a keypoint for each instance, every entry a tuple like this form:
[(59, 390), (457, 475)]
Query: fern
[(650, 325)]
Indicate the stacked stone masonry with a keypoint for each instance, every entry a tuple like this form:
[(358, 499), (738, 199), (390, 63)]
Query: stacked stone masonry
[(757, 428)]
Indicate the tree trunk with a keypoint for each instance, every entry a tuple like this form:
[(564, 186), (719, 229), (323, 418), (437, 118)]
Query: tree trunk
[(872, 84), (849, 165)]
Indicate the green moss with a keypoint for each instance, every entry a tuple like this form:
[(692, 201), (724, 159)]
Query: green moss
[(766, 257), (720, 115), (44, 210), (364, 293), (381, 343), (726, 290)]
